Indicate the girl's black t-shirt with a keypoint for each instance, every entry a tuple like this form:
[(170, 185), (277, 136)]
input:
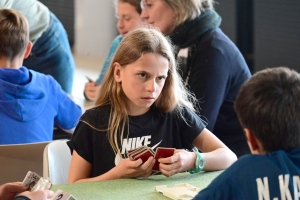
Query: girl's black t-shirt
[(153, 129)]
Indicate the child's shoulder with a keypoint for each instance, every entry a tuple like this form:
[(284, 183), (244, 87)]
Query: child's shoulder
[(37, 77), (97, 116), (103, 110)]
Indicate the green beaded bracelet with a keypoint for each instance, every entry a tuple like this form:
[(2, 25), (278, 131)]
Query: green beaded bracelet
[(200, 162)]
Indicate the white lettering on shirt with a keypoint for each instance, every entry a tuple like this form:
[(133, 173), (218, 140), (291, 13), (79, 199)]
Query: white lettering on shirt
[(263, 189), (132, 143), (284, 187), (296, 183), (283, 181), (126, 145), (139, 141), (147, 140)]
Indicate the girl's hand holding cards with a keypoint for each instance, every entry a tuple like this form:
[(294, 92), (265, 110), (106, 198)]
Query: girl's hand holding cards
[(143, 153), (182, 160), (135, 168)]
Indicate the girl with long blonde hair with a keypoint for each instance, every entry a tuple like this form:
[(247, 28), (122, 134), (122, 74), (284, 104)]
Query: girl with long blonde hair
[(143, 102)]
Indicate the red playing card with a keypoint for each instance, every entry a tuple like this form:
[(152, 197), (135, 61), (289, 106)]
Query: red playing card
[(143, 155), (138, 151), (130, 152), (162, 152)]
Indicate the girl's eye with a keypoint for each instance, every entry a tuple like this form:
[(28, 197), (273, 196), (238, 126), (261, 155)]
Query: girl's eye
[(161, 78), (142, 75)]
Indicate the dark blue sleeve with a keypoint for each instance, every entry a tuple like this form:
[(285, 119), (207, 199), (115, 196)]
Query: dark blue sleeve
[(216, 191)]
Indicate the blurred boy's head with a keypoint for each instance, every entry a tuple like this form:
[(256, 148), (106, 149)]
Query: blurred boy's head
[(14, 35), (268, 106)]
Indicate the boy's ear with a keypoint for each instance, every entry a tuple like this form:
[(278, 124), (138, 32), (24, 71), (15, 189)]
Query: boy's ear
[(28, 49), (254, 144), (117, 72)]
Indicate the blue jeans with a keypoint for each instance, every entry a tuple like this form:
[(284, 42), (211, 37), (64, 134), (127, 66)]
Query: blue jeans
[(51, 54)]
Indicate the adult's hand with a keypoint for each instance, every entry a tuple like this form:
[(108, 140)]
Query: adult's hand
[(9, 190), (38, 195)]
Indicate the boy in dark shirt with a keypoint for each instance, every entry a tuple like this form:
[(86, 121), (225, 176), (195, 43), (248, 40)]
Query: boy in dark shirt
[(269, 111)]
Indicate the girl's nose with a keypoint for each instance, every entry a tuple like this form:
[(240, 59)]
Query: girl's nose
[(151, 86)]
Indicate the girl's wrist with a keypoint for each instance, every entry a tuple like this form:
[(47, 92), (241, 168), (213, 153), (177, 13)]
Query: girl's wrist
[(199, 163), (193, 161), (116, 173)]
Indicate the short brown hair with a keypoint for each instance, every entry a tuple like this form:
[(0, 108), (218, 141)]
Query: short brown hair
[(268, 104), (14, 35), (135, 3)]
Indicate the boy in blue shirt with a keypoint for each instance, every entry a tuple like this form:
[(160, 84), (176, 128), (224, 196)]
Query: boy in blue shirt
[(269, 111), (30, 102)]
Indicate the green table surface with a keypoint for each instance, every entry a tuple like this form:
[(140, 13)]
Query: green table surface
[(134, 188)]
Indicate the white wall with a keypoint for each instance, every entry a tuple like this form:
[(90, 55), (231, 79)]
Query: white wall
[(95, 27)]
